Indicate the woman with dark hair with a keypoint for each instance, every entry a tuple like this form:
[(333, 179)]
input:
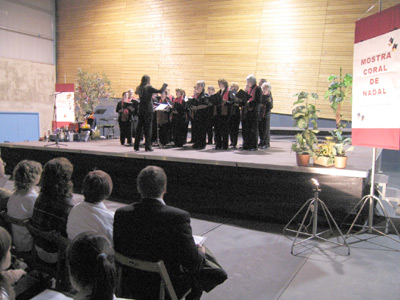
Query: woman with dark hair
[(125, 110), (92, 215), (7, 279), (221, 115), (145, 92), (250, 115), (91, 267), (179, 122), (53, 205), (20, 205), (199, 108)]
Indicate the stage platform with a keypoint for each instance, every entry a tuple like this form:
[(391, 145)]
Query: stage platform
[(264, 184)]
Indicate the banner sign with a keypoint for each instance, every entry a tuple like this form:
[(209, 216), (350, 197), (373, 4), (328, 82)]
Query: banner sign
[(65, 107), (376, 92)]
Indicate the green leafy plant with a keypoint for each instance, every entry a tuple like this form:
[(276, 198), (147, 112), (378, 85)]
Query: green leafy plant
[(303, 114), (326, 149), (338, 90), (340, 142), (90, 88)]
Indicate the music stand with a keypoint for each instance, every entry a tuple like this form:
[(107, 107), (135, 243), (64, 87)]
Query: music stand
[(57, 144), (371, 198), (313, 206), (162, 107)]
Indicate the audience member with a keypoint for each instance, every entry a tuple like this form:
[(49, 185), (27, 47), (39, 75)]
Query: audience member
[(53, 205), (20, 205), (7, 278), (4, 193), (91, 267), (151, 230), (91, 215)]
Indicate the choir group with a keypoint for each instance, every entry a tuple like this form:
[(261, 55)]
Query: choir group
[(214, 116)]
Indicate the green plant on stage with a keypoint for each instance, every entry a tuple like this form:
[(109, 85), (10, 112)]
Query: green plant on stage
[(303, 114), (340, 142), (338, 90), (90, 88), (326, 149)]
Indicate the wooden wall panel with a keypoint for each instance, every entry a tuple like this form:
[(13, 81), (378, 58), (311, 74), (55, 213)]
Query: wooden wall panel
[(295, 44)]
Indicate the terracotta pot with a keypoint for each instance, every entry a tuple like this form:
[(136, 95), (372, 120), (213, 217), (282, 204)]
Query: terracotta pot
[(340, 162), (302, 159), (322, 161)]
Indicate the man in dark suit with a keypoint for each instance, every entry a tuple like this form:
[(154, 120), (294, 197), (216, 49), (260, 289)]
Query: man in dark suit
[(151, 230)]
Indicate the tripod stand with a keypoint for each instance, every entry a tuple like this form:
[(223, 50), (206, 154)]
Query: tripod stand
[(54, 123), (313, 206), (370, 199)]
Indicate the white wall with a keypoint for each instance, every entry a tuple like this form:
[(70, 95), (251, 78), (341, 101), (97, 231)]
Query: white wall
[(27, 57)]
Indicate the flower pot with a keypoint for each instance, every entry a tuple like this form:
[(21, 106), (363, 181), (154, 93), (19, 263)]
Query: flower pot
[(340, 162), (322, 161), (302, 159)]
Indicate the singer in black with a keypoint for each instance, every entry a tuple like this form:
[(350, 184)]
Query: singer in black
[(125, 110), (250, 115), (199, 106), (265, 116), (234, 118), (221, 113), (145, 92), (179, 123)]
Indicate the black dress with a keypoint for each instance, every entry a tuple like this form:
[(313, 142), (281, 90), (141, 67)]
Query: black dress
[(199, 123), (250, 119), (125, 111), (234, 119), (264, 120), (179, 123), (222, 112)]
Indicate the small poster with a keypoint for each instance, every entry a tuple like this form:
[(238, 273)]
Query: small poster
[(65, 107)]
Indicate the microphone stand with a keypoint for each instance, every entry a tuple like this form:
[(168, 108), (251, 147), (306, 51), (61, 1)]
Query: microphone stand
[(57, 144)]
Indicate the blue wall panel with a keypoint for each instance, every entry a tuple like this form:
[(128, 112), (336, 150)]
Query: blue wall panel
[(19, 127)]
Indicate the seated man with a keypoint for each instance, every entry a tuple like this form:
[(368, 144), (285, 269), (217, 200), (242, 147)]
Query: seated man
[(151, 230)]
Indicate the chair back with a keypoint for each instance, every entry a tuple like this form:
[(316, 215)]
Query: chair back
[(62, 280), (13, 221), (153, 267)]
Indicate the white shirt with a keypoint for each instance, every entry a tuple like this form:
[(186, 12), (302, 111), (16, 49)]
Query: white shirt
[(93, 218), (21, 207)]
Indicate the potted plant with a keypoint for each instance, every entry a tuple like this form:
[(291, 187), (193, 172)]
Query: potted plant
[(90, 88), (324, 153), (339, 150), (337, 92), (304, 114)]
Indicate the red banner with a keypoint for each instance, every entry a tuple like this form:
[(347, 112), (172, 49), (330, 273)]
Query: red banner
[(376, 81)]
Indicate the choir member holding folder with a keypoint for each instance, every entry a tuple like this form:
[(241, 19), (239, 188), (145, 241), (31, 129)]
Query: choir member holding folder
[(199, 108), (265, 115), (250, 115), (179, 123), (221, 113), (164, 120), (234, 118)]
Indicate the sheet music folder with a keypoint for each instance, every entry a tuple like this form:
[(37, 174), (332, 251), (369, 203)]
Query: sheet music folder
[(215, 99), (243, 95), (100, 111)]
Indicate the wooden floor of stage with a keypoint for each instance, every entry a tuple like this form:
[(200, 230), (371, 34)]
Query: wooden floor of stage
[(277, 157)]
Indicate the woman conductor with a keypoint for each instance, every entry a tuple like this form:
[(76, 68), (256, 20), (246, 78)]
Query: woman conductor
[(145, 92)]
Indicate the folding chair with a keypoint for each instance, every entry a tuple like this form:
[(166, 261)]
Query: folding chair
[(59, 272), (153, 267)]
